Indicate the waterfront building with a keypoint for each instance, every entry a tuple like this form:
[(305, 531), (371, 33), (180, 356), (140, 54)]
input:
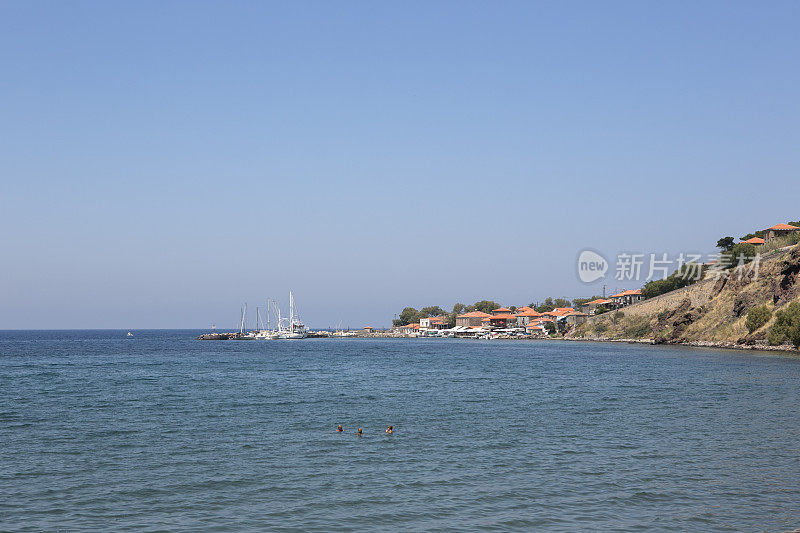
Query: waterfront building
[(474, 318)]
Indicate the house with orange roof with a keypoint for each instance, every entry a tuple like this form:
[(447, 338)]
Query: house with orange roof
[(524, 309), (503, 320), (591, 307), (525, 317), (575, 318), (501, 311), (779, 230), (410, 329), (755, 241), (434, 322), (473, 318), (624, 298), (535, 328), (558, 311)]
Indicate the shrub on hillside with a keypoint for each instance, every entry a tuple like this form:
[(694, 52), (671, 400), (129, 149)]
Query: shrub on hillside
[(638, 328), (757, 317), (686, 275), (743, 253), (786, 326), (616, 317)]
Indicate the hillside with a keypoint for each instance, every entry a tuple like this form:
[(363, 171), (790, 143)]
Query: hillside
[(710, 312)]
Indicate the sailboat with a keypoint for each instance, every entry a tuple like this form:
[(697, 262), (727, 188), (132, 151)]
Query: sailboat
[(293, 327)]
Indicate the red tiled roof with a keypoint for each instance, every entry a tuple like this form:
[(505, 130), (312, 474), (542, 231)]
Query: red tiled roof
[(784, 227), (474, 314), (503, 317), (531, 312), (559, 311), (598, 301), (755, 240), (629, 293), (501, 310)]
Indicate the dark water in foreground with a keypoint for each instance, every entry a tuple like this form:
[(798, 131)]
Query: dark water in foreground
[(162, 432)]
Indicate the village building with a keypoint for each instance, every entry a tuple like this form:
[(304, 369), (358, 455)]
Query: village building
[(558, 311), (575, 318), (755, 241), (779, 230), (409, 329), (535, 328), (591, 307), (501, 311), (625, 298), (524, 318), (504, 320), (434, 322), (473, 318)]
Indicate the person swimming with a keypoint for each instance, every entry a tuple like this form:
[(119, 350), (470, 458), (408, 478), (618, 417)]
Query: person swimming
[(359, 432), (389, 429), (339, 428)]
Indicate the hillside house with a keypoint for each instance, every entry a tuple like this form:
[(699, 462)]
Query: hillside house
[(626, 298), (779, 230), (591, 307)]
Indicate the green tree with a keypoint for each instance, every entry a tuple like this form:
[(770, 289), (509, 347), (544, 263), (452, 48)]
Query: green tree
[(550, 327), (743, 252), (457, 310), (433, 310), (757, 317), (485, 306), (725, 243), (408, 316), (549, 304), (577, 303), (786, 326), (759, 234)]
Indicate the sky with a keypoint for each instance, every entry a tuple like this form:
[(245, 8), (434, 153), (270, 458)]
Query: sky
[(162, 163)]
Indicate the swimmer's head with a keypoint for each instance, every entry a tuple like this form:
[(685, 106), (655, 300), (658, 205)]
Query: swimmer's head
[(339, 427), (359, 431)]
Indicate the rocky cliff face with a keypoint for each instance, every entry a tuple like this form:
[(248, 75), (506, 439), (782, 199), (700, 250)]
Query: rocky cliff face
[(712, 311)]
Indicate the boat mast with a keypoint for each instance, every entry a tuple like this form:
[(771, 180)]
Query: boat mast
[(291, 312)]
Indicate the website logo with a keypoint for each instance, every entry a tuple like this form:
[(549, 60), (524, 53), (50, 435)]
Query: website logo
[(591, 266)]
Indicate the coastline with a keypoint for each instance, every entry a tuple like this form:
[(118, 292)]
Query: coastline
[(785, 348)]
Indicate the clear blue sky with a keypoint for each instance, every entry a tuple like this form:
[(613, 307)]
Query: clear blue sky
[(163, 162)]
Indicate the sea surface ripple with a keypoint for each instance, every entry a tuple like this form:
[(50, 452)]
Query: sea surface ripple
[(161, 432)]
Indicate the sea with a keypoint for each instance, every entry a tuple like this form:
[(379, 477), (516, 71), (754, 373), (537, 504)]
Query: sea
[(163, 432)]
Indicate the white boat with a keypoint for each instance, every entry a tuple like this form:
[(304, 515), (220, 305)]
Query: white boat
[(129, 334), (293, 327)]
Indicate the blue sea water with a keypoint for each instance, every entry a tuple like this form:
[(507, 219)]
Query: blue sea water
[(162, 432)]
